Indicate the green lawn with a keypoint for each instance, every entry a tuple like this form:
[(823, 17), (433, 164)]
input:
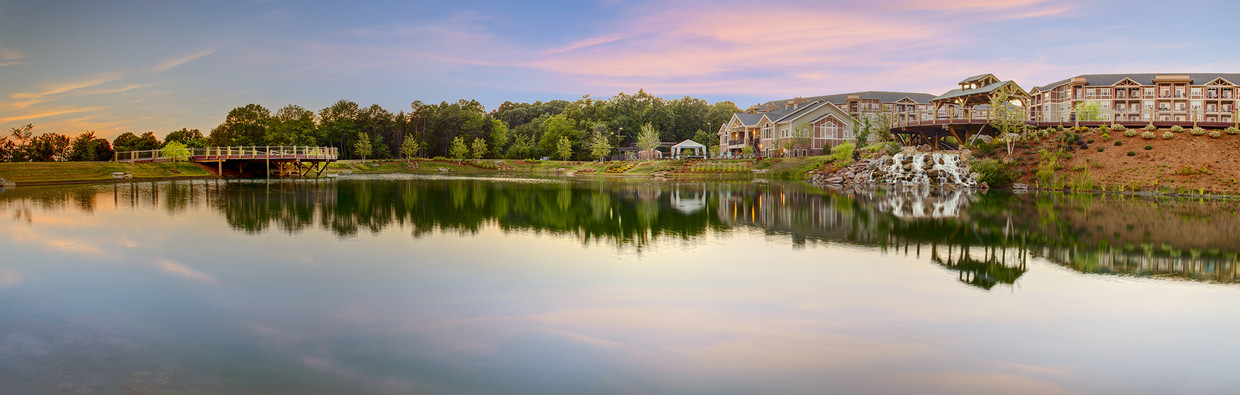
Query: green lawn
[(30, 172)]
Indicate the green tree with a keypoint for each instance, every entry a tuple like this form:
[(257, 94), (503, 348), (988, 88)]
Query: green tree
[(554, 128), (130, 142), (189, 137), (863, 131), (707, 138), (1088, 111), (87, 147), (338, 124), (458, 150), (747, 150), (564, 148), (479, 147), (245, 125), (499, 137), (1007, 114), (16, 150), (648, 139), (802, 136), (292, 125), (48, 147), (410, 147), (600, 142), (175, 151), (362, 147)]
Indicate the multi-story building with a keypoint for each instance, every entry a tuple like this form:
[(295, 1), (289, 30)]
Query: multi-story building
[(1138, 98), (800, 129), (768, 127)]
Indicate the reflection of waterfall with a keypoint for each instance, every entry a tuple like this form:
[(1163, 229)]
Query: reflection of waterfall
[(1088, 233), (923, 168)]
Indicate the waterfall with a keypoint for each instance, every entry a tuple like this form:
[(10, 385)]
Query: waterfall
[(922, 168)]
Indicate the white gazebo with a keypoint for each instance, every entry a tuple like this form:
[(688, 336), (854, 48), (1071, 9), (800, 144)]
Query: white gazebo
[(698, 149)]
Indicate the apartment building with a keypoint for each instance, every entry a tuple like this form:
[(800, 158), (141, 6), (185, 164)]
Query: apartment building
[(1138, 98), (832, 118)]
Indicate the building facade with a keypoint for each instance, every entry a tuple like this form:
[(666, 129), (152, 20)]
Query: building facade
[(1176, 98)]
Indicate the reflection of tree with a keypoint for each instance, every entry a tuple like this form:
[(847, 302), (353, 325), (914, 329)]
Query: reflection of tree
[(987, 239)]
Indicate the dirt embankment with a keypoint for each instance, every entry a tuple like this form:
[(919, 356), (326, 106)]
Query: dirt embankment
[(1183, 164)]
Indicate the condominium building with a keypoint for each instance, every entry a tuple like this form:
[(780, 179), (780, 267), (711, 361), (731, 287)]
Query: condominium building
[(768, 127), (1138, 98)]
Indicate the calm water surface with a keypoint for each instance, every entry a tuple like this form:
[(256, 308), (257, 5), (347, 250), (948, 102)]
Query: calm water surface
[(440, 285)]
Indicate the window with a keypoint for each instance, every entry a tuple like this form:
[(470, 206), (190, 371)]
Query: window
[(1149, 92), (783, 132), (766, 131)]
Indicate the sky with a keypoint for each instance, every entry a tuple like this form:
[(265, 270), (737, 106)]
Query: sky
[(136, 66)]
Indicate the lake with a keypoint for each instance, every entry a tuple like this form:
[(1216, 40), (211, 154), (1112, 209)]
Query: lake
[(408, 284)]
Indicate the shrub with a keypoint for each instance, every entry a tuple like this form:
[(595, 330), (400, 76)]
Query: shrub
[(1130, 133), (1090, 141), (1100, 149), (1167, 135), (1177, 128), (440, 158), (1130, 153), (1106, 136), (985, 149), (1104, 129), (1215, 134), (1147, 135), (1119, 128), (1232, 130), (1046, 133), (1197, 131), (1151, 127), (1149, 147), (993, 172), (1118, 143)]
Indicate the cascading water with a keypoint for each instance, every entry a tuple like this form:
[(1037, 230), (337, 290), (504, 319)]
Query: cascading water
[(917, 169)]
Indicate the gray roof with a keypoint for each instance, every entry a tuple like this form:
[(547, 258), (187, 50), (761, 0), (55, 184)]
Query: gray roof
[(976, 77), (882, 96), (811, 106), (748, 119), (1142, 78), (964, 92)]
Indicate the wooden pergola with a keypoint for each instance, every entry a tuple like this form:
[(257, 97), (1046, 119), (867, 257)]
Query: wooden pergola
[(961, 120)]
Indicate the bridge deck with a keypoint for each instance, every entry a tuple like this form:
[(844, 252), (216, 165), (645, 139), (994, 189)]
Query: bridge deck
[(220, 154)]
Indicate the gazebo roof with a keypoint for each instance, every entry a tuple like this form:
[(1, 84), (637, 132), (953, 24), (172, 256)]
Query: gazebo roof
[(688, 144)]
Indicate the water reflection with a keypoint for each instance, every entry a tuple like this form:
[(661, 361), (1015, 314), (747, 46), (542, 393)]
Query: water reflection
[(986, 238)]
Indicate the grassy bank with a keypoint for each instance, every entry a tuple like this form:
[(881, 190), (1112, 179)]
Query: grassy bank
[(28, 173), (777, 168)]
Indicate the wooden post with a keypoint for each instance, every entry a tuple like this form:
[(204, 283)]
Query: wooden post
[(267, 160)]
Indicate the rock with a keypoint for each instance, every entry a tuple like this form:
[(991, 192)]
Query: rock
[(834, 180), (986, 139), (1020, 187), (983, 186), (965, 155), (924, 148)]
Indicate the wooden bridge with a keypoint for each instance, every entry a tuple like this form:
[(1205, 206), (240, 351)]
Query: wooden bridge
[(287, 160)]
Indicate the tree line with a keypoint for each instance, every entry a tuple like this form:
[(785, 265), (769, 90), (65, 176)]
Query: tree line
[(587, 128)]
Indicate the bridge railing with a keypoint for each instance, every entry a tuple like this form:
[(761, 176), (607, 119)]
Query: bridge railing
[(225, 153)]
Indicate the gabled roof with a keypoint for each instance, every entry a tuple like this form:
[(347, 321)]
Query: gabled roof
[(881, 96), (976, 77), (1219, 79), (801, 110), (748, 119), (688, 144), (1140, 78), (954, 93)]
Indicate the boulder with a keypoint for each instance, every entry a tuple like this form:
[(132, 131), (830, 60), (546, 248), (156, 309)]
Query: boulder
[(924, 148)]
